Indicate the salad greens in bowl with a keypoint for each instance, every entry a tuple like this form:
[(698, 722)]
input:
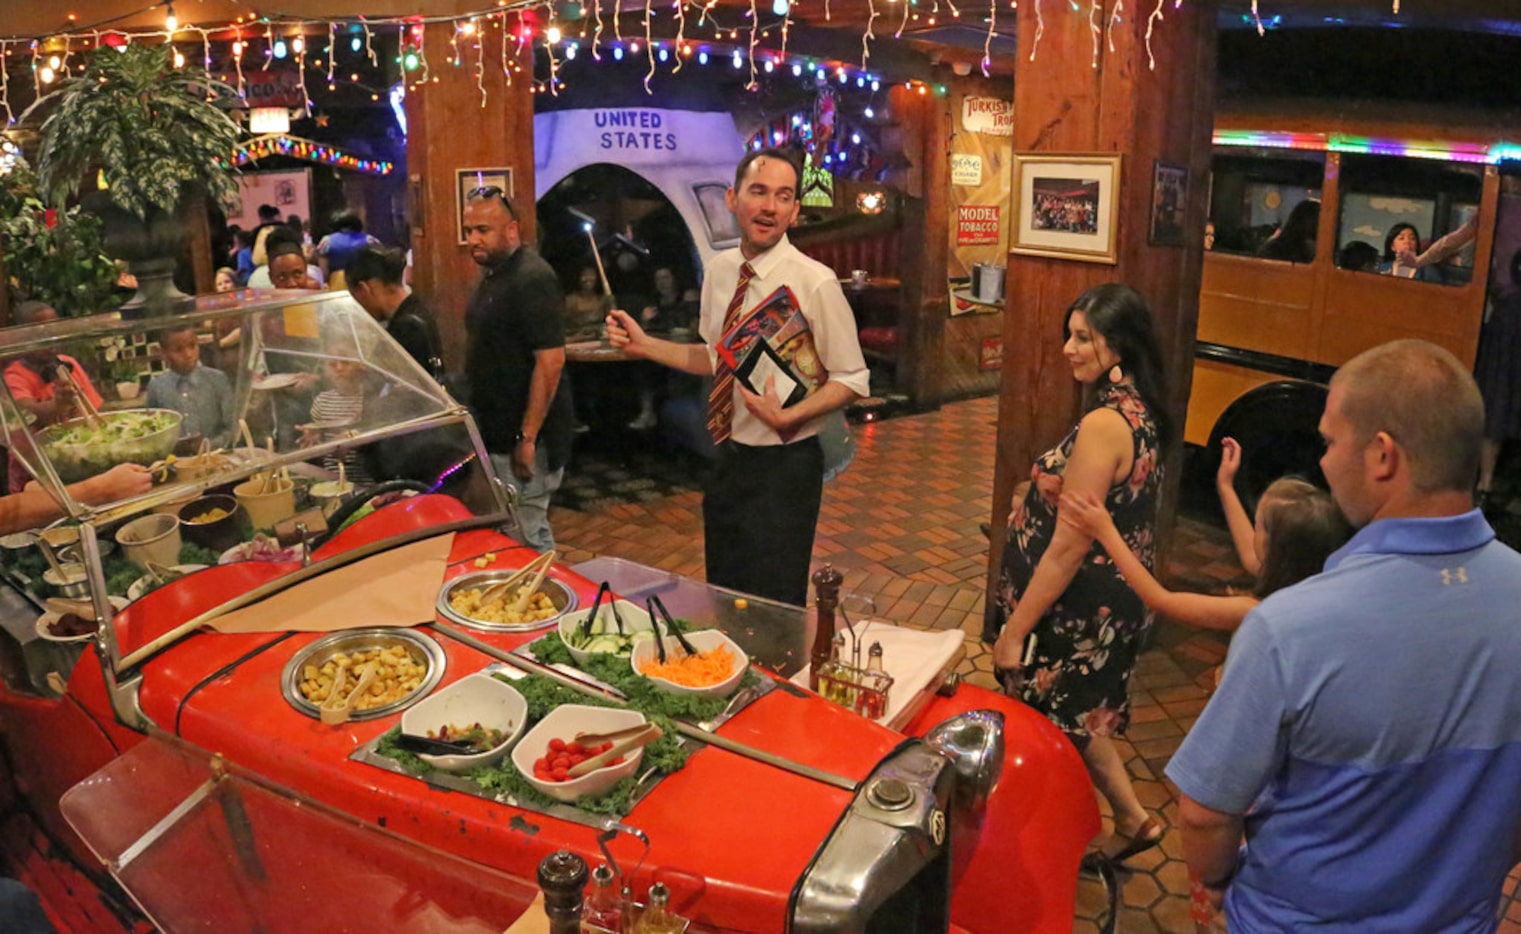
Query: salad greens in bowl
[(80, 447)]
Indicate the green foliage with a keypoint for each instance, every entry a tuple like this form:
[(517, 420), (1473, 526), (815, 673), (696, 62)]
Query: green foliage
[(64, 265), (146, 125)]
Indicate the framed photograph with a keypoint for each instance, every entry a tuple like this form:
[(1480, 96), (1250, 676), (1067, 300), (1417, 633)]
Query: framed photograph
[(467, 180), (1067, 205), (1169, 203)]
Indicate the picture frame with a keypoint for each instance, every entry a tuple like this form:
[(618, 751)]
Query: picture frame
[(1067, 206), (467, 180), (1169, 203)]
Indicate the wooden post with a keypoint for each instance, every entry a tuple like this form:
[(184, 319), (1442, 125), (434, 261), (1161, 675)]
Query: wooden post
[(1073, 95)]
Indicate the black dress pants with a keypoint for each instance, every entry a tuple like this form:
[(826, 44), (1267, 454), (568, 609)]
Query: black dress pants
[(759, 511)]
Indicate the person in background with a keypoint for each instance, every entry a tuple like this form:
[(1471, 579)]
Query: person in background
[(586, 308), (1295, 240), (294, 222), (244, 258), (515, 325), (37, 387), (760, 506), (674, 310), (1498, 371), (32, 507), (1068, 627), (1364, 737), (226, 279), (374, 280), (199, 393), (1358, 256), (1403, 241), (337, 249), (279, 242), (1209, 236)]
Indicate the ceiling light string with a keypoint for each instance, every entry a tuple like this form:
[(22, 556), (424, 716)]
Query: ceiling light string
[(1151, 21), (681, 34), (480, 64), (1040, 30), (868, 35), (754, 38), (369, 45), (649, 46), (549, 52), (5, 85), (903, 23), (332, 52), (987, 41), (1257, 19), (454, 45), (269, 42), (506, 71), (299, 45), (1114, 17), (617, 25), (597, 33), (786, 28), (37, 71), (237, 62), (1094, 11)]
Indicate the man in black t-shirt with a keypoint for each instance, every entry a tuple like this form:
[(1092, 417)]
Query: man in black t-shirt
[(374, 280), (515, 354)]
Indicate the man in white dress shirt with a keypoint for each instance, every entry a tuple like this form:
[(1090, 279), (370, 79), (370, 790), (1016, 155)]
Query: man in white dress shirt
[(761, 502)]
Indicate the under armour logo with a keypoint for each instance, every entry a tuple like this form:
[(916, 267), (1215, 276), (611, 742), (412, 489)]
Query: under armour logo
[(1449, 576)]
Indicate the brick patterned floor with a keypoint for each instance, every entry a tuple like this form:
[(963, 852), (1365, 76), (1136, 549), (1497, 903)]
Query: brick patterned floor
[(902, 525)]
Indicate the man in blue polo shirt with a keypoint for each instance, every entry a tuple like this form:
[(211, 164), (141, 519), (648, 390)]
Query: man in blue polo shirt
[(1367, 734)]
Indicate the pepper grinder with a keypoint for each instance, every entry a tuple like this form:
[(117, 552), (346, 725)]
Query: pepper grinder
[(826, 585), (562, 876)]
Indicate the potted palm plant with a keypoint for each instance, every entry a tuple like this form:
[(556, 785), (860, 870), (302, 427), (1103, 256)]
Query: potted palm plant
[(155, 139)]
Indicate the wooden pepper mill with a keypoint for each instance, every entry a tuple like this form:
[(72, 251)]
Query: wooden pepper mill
[(562, 876), (826, 586)]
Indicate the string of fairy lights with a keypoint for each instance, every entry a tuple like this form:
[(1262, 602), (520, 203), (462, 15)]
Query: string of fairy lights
[(540, 26)]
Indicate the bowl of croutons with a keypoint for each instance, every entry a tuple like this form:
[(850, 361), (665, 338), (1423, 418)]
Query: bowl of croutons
[(473, 600), (407, 666)]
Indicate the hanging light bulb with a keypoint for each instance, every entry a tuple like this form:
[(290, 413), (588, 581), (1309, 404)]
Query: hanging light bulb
[(45, 73), (553, 35), (280, 50), (54, 62), (179, 59), (780, 7), (702, 57), (171, 22), (355, 44), (737, 59), (298, 45)]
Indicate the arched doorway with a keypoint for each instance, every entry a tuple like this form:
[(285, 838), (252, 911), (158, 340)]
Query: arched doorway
[(637, 229)]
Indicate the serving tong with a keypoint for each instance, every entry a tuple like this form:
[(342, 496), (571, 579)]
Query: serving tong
[(604, 591), (411, 742), (336, 713), (86, 407), (653, 603), (538, 567)]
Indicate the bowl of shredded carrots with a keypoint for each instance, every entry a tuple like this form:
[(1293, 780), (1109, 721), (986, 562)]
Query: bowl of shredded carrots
[(713, 672)]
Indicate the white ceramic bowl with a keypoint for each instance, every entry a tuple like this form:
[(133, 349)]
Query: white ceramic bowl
[(565, 722), (477, 698), (634, 620), (703, 640)]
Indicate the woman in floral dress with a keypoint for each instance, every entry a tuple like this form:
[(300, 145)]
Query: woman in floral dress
[(1057, 586)]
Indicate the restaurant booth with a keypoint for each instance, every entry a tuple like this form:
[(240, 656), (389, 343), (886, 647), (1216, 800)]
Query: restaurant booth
[(187, 750)]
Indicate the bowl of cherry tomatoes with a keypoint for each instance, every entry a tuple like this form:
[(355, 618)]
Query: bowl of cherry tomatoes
[(547, 752)]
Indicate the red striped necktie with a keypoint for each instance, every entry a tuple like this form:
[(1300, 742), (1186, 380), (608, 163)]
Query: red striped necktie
[(721, 398)]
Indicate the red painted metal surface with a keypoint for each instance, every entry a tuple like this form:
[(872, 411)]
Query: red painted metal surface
[(730, 836)]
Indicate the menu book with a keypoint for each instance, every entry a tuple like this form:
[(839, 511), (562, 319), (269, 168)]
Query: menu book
[(773, 341)]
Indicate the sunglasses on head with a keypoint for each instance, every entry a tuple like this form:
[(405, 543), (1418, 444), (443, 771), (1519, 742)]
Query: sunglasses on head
[(485, 191)]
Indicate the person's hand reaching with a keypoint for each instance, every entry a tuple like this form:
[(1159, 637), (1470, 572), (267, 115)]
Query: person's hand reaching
[(123, 481), (1230, 462), (1084, 512)]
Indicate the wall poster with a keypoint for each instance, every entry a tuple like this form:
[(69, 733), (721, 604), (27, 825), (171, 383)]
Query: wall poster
[(979, 204)]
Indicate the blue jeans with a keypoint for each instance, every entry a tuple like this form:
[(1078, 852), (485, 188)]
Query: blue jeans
[(533, 496)]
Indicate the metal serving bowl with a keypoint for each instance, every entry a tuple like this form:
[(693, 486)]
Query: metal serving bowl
[(563, 598), (423, 650)]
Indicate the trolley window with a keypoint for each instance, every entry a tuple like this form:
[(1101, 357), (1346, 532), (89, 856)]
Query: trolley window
[(1390, 202), (1254, 194)]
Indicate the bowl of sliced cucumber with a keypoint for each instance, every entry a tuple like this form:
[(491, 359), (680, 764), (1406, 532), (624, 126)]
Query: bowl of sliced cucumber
[(586, 635)]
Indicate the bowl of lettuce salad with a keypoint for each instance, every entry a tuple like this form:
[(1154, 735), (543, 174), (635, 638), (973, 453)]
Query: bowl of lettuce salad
[(81, 448)]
